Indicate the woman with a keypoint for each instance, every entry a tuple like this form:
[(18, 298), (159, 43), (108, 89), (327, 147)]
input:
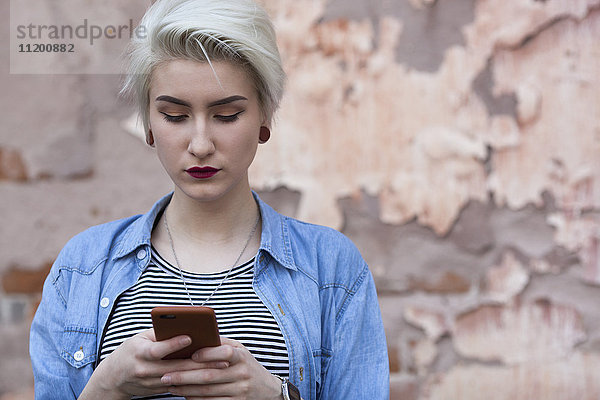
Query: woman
[(295, 302)]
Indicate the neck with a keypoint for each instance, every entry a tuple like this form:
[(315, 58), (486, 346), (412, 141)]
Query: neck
[(212, 222)]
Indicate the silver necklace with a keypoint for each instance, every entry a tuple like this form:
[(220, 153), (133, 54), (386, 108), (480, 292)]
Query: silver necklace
[(228, 272)]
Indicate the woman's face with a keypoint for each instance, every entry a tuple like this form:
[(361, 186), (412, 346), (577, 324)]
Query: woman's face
[(205, 132)]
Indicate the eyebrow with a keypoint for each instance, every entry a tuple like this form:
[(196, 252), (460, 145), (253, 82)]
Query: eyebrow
[(220, 102), (173, 100), (226, 100)]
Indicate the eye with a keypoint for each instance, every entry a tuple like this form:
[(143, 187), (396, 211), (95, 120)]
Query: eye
[(229, 118), (173, 118)]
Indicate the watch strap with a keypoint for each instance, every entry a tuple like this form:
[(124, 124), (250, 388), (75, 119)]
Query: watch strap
[(288, 390)]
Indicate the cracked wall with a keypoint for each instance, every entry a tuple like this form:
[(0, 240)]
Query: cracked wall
[(456, 143)]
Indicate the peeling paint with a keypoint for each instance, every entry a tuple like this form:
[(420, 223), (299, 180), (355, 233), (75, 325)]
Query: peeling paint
[(582, 235), (424, 352), (539, 331), (572, 378), (429, 27), (432, 322), (343, 73), (465, 168), (507, 280), (549, 156)]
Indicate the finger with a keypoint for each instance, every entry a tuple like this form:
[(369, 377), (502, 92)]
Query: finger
[(201, 377), (188, 365), (231, 342), (195, 393), (214, 392), (154, 384), (148, 334), (202, 392), (225, 352), (157, 368), (212, 365), (160, 349)]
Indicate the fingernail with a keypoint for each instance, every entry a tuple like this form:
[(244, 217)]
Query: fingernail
[(186, 341), (223, 365), (166, 380)]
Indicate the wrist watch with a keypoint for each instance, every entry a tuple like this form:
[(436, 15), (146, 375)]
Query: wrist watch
[(289, 391)]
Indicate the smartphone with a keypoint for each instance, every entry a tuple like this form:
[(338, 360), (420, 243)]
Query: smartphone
[(199, 323)]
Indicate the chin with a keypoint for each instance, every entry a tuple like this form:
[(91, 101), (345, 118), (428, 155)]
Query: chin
[(206, 193)]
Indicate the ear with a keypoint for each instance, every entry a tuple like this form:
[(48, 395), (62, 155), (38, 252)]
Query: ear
[(150, 138), (264, 135)]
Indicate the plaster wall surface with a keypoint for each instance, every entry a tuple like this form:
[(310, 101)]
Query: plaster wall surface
[(456, 143)]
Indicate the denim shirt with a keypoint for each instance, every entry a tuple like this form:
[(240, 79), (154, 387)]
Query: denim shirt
[(312, 279)]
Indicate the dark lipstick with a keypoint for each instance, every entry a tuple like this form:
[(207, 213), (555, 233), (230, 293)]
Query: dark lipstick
[(202, 172)]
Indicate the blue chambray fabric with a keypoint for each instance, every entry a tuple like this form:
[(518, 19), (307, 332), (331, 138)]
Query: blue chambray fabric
[(312, 278)]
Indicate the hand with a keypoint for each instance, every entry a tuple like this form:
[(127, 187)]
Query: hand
[(245, 378), (136, 367)]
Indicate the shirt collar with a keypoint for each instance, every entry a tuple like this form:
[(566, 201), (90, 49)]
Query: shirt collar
[(275, 234), (274, 238), (139, 231)]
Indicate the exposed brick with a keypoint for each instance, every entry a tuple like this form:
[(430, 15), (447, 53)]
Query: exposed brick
[(12, 167), (16, 377), (446, 283), (24, 394), (19, 280), (394, 359), (404, 387)]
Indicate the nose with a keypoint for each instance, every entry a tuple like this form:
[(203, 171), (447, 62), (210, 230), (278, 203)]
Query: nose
[(201, 142)]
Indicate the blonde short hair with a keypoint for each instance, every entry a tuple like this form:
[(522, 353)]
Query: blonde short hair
[(238, 31)]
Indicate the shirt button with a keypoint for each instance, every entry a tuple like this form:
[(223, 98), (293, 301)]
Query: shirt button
[(78, 356), (261, 259), (104, 302), (141, 254)]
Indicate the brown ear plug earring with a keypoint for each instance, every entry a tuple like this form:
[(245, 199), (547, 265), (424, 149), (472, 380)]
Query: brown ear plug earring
[(264, 135), (150, 138)]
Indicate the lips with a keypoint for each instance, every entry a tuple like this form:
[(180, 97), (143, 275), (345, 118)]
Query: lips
[(202, 172)]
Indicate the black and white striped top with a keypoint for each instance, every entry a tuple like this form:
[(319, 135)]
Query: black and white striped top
[(240, 313)]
